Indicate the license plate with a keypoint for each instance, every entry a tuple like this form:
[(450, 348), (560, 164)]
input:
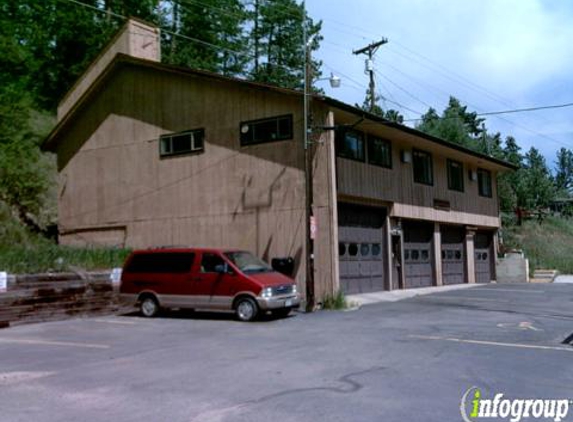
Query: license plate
[(288, 302)]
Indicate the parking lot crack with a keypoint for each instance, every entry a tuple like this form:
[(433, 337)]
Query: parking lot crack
[(348, 385)]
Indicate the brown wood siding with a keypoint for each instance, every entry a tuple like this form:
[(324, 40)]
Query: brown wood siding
[(227, 196), (415, 200)]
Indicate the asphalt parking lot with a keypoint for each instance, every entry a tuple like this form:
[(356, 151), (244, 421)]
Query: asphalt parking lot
[(403, 361)]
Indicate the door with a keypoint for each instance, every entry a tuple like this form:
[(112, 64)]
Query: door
[(483, 255), (453, 255), (361, 248), (213, 289), (418, 254)]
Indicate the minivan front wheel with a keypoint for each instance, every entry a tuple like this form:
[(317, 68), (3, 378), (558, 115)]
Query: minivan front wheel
[(149, 306), (246, 309)]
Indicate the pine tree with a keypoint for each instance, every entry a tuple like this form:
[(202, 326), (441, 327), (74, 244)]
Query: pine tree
[(277, 34), (564, 170), (213, 36)]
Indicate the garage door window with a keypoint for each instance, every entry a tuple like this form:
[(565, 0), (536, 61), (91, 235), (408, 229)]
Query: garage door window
[(353, 249), (364, 249), (376, 249), (341, 249)]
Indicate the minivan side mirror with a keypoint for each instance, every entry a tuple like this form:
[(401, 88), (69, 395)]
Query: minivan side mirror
[(222, 268)]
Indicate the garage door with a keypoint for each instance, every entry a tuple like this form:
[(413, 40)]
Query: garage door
[(418, 256), (361, 248), (484, 259), (453, 255)]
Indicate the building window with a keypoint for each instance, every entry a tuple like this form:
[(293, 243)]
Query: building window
[(266, 130), (379, 152), (423, 170), (455, 175), (484, 183), (350, 144), (181, 143)]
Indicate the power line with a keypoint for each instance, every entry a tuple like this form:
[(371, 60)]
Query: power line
[(186, 37), (521, 110), (403, 90)]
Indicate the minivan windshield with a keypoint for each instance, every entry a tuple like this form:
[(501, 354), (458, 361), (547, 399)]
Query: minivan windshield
[(247, 262)]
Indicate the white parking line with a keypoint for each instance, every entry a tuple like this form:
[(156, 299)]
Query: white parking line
[(111, 321), (480, 299), (53, 343), (492, 343), (535, 292)]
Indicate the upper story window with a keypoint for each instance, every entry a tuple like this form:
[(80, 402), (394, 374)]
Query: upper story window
[(350, 144), (484, 183), (181, 143), (455, 175), (266, 130), (379, 152), (423, 168)]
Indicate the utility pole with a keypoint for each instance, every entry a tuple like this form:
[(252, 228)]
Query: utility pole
[(308, 168), (370, 50)]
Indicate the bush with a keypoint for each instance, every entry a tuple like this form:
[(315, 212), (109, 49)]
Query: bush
[(335, 302)]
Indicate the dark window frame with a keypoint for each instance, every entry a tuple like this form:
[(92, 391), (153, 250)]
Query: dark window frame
[(417, 178), (205, 257), (161, 263), (341, 137), (194, 149), (249, 137), (387, 163), (451, 185), (485, 190)]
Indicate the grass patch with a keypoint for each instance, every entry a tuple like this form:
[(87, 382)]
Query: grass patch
[(547, 245), (48, 257), (24, 252), (336, 302)]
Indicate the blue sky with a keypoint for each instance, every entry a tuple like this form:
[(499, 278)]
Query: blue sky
[(491, 54)]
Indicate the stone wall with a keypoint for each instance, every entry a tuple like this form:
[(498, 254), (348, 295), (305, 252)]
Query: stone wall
[(512, 268)]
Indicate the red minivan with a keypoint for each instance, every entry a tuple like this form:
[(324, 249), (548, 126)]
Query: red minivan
[(210, 279)]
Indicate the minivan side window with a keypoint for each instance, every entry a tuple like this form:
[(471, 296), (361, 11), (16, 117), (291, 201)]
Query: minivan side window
[(168, 262), (209, 261)]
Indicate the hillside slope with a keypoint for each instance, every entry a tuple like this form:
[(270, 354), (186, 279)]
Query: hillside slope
[(547, 245)]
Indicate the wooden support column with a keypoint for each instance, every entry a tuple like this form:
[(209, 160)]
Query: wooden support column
[(470, 256), (388, 258), (438, 278)]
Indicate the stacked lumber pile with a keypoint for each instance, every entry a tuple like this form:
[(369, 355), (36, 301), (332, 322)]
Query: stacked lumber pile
[(55, 296)]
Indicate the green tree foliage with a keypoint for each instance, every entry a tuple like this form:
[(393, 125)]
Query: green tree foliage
[(530, 187), (278, 44), (564, 171), (389, 114), (456, 125), (46, 45), (218, 25), (537, 180)]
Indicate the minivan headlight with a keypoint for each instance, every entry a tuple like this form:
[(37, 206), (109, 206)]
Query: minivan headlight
[(267, 292)]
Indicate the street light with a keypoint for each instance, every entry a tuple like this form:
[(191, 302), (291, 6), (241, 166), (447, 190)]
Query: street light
[(309, 216)]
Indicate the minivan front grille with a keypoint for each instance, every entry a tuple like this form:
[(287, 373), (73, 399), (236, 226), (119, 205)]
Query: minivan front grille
[(285, 289)]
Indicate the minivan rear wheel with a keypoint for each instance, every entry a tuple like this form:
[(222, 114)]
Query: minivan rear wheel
[(149, 306), (246, 309)]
